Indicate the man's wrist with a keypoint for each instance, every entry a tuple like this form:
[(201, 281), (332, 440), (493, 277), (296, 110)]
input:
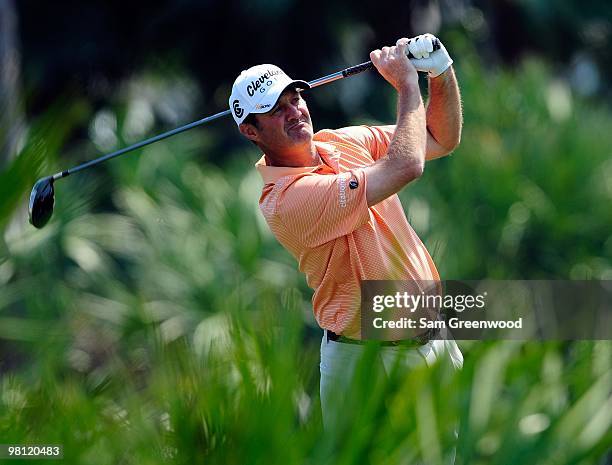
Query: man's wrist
[(443, 75), (409, 101), (408, 89)]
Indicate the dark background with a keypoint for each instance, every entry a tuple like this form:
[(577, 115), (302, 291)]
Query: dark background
[(87, 48)]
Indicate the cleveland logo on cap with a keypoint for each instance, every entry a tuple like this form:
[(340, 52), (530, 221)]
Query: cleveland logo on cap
[(257, 83)]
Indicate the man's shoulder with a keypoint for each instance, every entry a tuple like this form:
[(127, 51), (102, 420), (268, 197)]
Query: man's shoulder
[(341, 134), (351, 138), (363, 135)]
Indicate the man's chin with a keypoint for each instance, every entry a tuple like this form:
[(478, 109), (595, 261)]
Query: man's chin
[(302, 132)]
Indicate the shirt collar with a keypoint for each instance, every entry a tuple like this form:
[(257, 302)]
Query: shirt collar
[(271, 174)]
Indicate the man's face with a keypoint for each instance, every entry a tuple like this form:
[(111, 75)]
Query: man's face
[(286, 126)]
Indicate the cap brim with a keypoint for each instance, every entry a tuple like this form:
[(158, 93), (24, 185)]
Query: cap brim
[(273, 97)]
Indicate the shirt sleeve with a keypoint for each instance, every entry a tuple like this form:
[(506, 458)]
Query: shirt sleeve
[(375, 139), (314, 208)]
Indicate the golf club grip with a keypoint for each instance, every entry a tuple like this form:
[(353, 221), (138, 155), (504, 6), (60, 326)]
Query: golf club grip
[(369, 65)]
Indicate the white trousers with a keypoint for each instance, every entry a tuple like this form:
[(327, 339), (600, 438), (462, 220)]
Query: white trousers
[(339, 359)]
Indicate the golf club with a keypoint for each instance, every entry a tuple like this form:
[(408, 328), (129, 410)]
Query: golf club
[(42, 197)]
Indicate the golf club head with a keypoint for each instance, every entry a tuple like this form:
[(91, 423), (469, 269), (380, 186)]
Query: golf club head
[(42, 200)]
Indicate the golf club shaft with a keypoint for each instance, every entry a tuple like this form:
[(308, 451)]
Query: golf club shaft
[(315, 83), (140, 144)]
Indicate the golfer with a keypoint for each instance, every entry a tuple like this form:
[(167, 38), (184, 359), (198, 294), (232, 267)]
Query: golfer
[(330, 197)]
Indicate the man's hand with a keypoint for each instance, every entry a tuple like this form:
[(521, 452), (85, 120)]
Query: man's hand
[(425, 58), (393, 64)]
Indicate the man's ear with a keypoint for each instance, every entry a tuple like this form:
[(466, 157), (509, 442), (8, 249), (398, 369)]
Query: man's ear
[(249, 131)]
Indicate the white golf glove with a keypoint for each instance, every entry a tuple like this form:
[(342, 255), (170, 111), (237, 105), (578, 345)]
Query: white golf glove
[(425, 58)]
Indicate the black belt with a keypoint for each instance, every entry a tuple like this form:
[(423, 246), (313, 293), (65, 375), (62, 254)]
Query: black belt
[(416, 341)]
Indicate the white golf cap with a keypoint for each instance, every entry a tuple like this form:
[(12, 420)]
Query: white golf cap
[(257, 89)]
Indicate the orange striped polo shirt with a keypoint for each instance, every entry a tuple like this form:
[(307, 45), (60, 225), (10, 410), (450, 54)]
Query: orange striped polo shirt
[(321, 216)]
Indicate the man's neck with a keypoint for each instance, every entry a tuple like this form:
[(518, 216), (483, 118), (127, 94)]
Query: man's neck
[(304, 156)]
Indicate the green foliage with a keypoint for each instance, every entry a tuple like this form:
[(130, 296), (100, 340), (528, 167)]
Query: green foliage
[(156, 320), (527, 193)]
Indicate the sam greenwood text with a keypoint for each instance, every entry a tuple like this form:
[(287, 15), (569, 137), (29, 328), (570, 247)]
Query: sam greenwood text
[(453, 323)]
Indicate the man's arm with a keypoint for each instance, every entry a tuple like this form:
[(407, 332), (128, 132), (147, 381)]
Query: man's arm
[(444, 108), (405, 157), (444, 115)]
